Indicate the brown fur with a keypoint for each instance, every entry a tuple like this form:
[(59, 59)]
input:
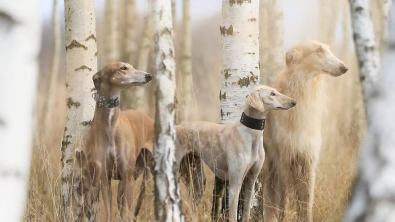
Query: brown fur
[(292, 140), (117, 138)]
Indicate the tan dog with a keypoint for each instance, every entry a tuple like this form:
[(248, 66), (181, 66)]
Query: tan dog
[(117, 137), (234, 152), (292, 140)]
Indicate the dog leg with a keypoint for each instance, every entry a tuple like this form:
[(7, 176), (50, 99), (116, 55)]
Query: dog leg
[(249, 185), (235, 182), (304, 177), (106, 193), (271, 195)]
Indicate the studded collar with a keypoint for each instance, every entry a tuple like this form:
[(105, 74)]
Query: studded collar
[(256, 124), (103, 101)]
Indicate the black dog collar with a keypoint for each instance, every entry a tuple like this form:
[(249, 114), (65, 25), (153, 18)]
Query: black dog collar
[(107, 102), (256, 124)]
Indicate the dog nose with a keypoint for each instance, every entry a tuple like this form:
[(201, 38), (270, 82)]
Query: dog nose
[(148, 77), (293, 103), (343, 69)]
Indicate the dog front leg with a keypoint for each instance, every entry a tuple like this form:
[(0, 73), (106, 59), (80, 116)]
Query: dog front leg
[(106, 193), (235, 182), (249, 185)]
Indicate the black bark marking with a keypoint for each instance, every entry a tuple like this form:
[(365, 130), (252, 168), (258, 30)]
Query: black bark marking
[(71, 103), (222, 96), (92, 36), (358, 9), (226, 31), (86, 123), (75, 44), (82, 68)]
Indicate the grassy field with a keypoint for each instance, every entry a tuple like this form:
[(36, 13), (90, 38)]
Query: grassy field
[(343, 131)]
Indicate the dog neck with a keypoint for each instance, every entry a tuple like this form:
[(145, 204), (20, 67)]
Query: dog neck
[(253, 118), (106, 114), (107, 102)]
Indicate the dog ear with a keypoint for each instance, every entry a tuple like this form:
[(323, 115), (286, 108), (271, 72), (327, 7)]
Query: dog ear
[(293, 56), (255, 101), (97, 80)]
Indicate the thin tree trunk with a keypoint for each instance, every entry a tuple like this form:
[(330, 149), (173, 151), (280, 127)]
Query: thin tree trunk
[(111, 32), (275, 57), (20, 44), (263, 39), (53, 75), (373, 198), (134, 97), (367, 51), (81, 64), (240, 58), (167, 193), (187, 97)]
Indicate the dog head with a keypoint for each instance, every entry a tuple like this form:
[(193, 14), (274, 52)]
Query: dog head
[(118, 75), (264, 98), (312, 56)]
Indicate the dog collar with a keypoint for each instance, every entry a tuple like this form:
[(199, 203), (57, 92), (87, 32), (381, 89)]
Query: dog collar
[(256, 124), (108, 102)]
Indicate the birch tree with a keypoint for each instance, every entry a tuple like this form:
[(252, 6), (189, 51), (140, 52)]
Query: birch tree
[(240, 59), (20, 43), (186, 63), (167, 193), (53, 74), (367, 51), (373, 198), (134, 97), (81, 64), (275, 37), (112, 31)]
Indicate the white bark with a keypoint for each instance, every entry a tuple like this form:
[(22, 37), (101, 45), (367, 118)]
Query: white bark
[(20, 43), (167, 193), (368, 55), (187, 97), (240, 56), (112, 31), (53, 75), (275, 37), (373, 198), (81, 64)]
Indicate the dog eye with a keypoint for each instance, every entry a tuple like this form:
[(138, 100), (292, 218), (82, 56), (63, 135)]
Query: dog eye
[(124, 68), (319, 50), (272, 94)]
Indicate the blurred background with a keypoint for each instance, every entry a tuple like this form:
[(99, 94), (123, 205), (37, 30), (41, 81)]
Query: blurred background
[(343, 126)]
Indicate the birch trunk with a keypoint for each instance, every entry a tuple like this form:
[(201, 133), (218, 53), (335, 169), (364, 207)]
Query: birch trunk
[(53, 75), (186, 65), (240, 59), (275, 54), (167, 193), (134, 97), (81, 64), (367, 51), (20, 44), (112, 32), (263, 39), (240, 56), (375, 187)]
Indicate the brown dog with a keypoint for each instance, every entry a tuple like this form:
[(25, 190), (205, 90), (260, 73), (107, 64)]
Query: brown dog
[(117, 137), (292, 139)]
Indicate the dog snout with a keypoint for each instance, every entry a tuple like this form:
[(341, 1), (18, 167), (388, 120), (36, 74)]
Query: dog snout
[(343, 69), (148, 77), (293, 103)]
